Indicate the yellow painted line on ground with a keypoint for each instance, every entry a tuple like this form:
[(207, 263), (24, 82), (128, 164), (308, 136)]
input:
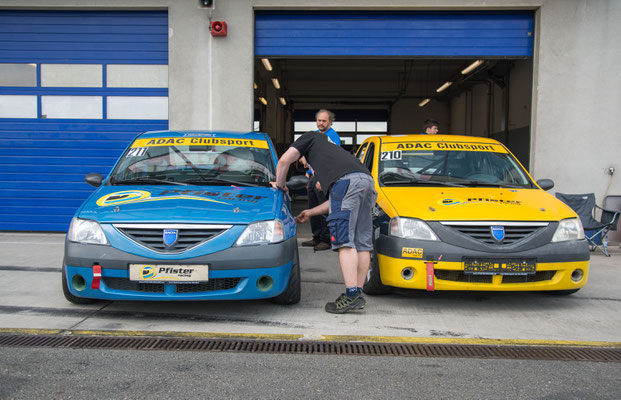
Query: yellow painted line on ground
[(319, 338)]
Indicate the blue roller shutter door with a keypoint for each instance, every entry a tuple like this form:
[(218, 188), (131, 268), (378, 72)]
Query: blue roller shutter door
[(70, 125), (394, 34)]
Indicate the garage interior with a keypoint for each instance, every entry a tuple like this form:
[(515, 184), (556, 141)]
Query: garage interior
[(486, 97)]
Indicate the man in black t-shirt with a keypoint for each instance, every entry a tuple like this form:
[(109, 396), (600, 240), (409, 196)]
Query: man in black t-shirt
[(350, 189)]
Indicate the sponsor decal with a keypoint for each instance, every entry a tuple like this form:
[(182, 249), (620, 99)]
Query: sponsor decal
[(411, 252), (199, 141), (471, 200), (141, 196), (452, 146), (498, 232), (169, 273)]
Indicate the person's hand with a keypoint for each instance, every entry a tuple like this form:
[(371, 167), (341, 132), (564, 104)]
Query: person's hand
[(275, 186), (303, 217), (318, 186)]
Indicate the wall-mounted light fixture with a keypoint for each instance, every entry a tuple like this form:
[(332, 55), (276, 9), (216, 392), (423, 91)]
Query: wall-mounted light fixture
[(282, 101), (266, 64), (471, 67), (444, 87), (262, 100), (256, 86), (422, 103), (276, 83)]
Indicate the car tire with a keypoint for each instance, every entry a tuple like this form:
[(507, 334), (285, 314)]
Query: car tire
[(562, 292), (293, 293), (69, 296), (373, 284)]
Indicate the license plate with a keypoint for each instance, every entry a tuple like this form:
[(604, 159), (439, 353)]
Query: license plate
[(499, 266), (159, 273)]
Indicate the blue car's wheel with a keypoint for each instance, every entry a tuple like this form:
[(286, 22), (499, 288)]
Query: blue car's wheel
[(292, 294)]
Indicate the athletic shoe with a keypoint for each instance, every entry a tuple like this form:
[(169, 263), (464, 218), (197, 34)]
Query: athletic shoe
[(310, 243), (322, 246), (344, 304)]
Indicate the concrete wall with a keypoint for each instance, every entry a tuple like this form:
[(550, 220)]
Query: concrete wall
[(575, 100)]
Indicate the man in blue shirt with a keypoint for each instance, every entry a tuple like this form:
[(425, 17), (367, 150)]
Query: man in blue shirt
[(319, 227)]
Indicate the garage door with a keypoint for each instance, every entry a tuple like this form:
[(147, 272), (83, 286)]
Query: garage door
[(394, 34), (75, 88)]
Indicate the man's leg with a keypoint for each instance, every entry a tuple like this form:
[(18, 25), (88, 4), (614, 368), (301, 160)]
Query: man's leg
[(348, 258), (364, 260)]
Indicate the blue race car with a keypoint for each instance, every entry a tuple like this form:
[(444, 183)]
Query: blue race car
[(185, 216)]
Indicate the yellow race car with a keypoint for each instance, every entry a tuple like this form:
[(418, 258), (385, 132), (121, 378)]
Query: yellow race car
[(461, 213)]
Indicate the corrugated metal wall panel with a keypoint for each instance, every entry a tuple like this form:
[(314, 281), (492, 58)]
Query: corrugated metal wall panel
[(394, 34), (84, 36), (43, 161)]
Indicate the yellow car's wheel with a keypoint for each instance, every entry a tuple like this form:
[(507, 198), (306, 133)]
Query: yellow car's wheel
[(373, 284)]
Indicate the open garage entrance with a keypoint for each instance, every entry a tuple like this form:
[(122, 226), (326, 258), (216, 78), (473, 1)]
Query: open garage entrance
[(389, 72)]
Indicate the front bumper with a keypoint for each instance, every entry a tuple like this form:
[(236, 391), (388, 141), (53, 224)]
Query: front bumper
[(556, 262), (239, 273)]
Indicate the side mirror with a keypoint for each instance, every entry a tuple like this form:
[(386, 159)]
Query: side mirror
[(546, 184), (297, 182), (94, 179)]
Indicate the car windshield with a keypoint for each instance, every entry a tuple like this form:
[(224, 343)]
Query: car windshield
[(189, 161), (449, 168)]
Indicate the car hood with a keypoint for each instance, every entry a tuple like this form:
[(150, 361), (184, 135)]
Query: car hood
[(181, 204), (484, 204)]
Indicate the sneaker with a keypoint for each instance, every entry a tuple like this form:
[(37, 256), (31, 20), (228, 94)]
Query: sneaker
[(345, 304), (310, 243), (322, 246)]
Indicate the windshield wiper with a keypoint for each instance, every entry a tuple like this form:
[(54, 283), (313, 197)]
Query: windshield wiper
[(491, 184), (205, 181), (423, 181), (144, 180)]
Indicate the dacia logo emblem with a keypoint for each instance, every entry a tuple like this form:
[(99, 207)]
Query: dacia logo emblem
[(170, 236), (498, 233)]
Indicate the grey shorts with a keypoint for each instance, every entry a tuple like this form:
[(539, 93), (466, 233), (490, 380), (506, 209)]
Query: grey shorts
[(352, 198)]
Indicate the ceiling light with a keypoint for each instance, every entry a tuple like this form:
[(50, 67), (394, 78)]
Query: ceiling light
[(471, 67), (283, 101), (276, 83), (443, 87), (266, 64), (262, 100), (422, 103), (256, 86)]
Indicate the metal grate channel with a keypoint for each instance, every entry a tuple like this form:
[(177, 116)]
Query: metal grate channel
[(558, 353)]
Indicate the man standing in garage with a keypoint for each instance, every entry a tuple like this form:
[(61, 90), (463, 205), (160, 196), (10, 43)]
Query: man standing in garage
[(349, 186), (430, 127), (319, 227)]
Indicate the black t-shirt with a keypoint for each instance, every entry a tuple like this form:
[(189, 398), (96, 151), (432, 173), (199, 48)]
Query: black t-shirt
[(328, 160)]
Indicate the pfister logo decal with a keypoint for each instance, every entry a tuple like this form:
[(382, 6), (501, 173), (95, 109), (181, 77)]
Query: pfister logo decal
[(411, 252), (168, 273), (473, 200)]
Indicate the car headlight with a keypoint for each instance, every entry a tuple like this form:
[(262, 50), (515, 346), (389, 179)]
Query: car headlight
[(86, 231), (263, 232), (410, 228), (569, 229)]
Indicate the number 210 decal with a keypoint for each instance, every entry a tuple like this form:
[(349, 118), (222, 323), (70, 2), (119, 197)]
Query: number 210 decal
[(391, 155)]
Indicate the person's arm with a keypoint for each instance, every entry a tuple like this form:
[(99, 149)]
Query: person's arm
[(289, 157), (321, 209)]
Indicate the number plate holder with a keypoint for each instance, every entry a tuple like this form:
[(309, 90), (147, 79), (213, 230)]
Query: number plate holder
[(499, 266)]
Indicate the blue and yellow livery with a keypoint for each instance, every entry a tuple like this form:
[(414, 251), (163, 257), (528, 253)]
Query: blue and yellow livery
[(185, 216)]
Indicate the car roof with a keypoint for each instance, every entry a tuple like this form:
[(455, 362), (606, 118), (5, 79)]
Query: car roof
[(436, 138), (198, 133)]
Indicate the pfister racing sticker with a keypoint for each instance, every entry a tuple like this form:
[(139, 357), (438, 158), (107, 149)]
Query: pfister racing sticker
[(168, 273)]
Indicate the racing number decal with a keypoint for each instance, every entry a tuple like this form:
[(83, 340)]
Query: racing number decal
[(391, 155), (136, 151)]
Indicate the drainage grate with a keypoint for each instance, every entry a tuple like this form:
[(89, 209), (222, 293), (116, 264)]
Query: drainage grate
[(566, 353)]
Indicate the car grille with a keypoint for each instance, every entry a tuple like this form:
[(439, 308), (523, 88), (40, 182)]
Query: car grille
[(209, 286), (483, 233), (189, 236), (460, 276)]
